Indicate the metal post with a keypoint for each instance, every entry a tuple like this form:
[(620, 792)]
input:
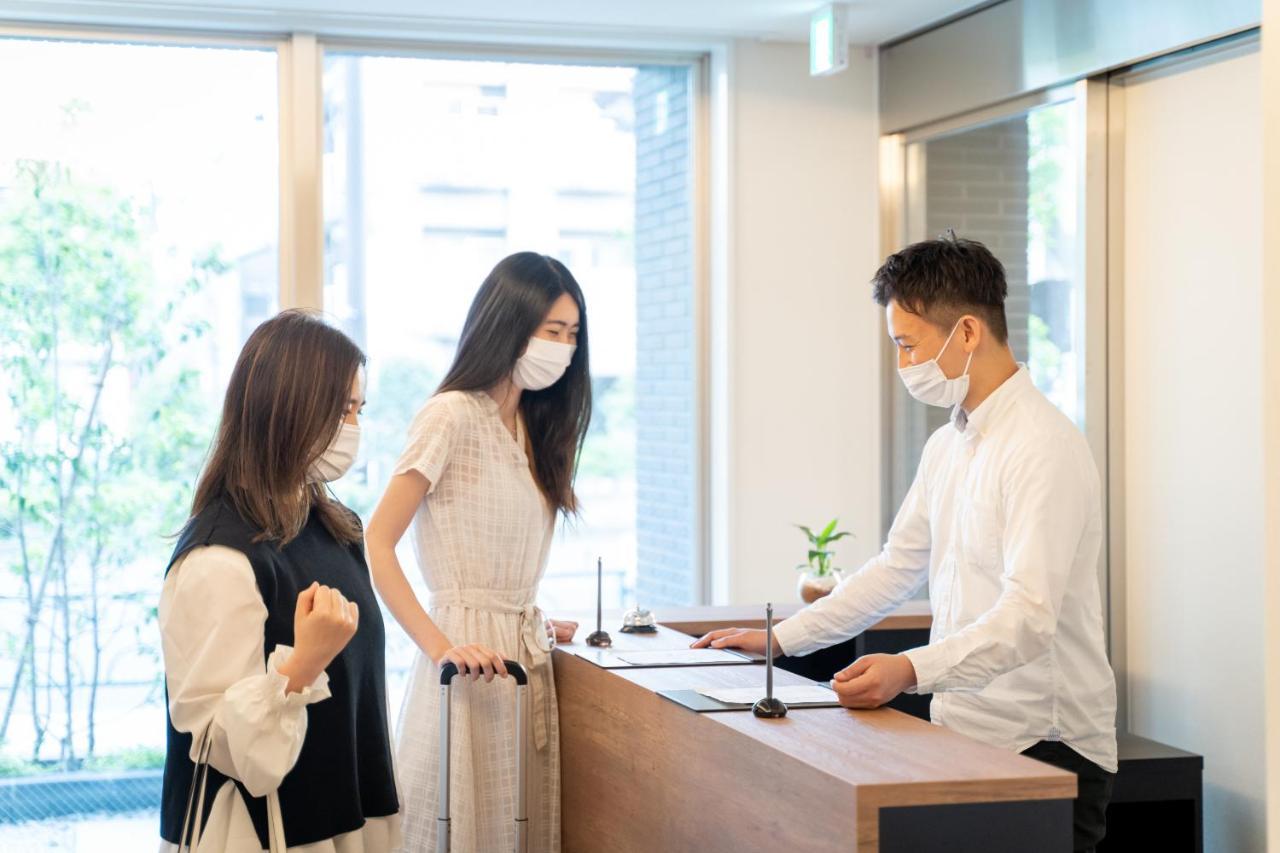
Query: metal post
[(769, 707)]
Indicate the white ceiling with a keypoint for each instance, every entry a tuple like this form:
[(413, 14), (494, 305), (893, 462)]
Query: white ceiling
[(870, 21)]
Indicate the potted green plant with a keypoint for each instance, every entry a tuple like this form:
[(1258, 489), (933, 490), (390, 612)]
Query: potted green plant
[(818, 575)]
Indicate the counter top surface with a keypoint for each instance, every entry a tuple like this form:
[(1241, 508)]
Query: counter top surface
[(876, 748)]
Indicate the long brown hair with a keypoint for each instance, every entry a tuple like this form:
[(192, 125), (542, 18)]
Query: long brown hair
[(511, 304), (284, 405)]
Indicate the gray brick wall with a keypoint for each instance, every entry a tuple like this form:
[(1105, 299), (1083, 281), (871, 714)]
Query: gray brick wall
[(977, 183), (666, 346)]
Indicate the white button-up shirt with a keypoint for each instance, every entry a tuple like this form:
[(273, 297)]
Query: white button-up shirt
[(1004, 519)]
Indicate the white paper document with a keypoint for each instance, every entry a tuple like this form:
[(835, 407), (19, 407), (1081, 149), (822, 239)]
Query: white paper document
[(677, 657), (797, 694)]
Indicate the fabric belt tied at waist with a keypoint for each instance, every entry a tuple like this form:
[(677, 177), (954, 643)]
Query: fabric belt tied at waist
[(535, 646)]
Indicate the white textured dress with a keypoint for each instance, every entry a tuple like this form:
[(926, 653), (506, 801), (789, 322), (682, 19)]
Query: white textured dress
[(481, 534)]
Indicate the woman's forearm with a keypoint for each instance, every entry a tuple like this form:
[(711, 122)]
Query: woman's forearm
[(394, 587)]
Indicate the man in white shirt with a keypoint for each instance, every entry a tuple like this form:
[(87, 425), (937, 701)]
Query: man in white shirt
[(1004, 521)]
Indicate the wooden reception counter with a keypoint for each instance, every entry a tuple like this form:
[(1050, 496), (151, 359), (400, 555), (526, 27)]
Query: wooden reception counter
[(643, 773)]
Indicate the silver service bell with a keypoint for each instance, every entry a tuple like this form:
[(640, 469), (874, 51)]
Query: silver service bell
[(639, 620)]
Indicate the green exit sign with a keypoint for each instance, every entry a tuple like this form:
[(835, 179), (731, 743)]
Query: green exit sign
[(828, 40)]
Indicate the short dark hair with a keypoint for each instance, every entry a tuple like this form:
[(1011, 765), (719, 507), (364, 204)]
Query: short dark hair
[(941, 280)]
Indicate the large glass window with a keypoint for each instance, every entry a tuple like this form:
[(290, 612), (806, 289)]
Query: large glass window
[(138, 243), (139, 225), (435, 169), (1014, 186)]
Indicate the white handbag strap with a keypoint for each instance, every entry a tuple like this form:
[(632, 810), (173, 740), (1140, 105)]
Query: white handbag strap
[(195, 803), (275, 823)]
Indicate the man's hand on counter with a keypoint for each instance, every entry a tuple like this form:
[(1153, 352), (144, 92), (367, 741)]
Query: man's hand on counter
[(873, 680), (747, 639)]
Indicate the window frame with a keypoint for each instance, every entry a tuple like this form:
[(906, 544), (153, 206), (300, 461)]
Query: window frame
[(300, 68), (902, 159), (699, 64)]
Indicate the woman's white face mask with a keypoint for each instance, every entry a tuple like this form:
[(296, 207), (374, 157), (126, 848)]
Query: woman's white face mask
[(928, 384), (338, 457), (542, 364)]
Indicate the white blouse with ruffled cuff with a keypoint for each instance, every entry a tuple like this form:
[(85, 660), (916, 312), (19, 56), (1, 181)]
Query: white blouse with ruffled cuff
[(211, 619)]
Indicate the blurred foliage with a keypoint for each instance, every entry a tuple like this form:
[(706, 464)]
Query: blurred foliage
[(104, 435)]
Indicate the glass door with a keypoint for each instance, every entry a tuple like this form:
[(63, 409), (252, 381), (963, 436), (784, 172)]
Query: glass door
[(1015, 185)]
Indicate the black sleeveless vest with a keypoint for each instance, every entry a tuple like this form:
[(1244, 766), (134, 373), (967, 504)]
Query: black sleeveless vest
[(344, 772)]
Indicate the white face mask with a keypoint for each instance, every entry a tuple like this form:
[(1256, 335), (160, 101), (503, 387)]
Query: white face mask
[(338, 457), (928, 384), (542, 364)]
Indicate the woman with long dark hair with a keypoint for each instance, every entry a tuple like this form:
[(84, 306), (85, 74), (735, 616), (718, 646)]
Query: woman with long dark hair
[(489, 464), (272, 637)]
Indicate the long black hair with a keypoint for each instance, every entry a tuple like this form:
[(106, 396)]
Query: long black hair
[(507, 311)]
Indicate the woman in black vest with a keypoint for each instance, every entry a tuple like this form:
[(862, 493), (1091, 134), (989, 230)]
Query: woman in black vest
[(272, 637)]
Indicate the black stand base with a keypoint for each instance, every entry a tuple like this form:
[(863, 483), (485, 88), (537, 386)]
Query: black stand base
[(600, 639), (770, 708)]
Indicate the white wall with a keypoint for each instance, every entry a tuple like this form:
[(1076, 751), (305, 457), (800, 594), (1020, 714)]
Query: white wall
[(1271, 401), (1193, 347), (798, 439)]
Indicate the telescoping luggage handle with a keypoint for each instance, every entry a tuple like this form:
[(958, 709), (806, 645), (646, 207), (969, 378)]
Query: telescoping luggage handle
[(447, 673)]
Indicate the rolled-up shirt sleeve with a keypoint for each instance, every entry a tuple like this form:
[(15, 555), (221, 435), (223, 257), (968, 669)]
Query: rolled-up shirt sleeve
[(1045, 509), (868, 595), (211, 626)]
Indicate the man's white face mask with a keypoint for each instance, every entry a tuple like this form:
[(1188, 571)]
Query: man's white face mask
[(928, 384)]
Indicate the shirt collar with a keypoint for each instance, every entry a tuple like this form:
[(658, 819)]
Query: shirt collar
[(973, 425)]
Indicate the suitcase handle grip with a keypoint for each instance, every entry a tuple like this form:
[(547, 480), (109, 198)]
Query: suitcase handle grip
[(515, 670)]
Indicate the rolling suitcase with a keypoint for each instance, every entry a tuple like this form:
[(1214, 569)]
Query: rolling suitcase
[(521, 678)]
